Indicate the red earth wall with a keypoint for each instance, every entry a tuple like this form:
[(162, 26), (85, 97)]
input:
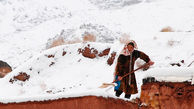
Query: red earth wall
[(87, 102), (168, 95)]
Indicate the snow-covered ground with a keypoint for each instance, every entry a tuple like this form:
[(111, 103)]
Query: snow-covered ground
[(27, 26)]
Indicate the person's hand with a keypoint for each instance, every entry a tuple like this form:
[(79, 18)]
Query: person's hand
[(151, 63), (119, 78)]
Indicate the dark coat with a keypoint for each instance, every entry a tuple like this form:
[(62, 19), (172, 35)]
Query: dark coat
[(122, 68)]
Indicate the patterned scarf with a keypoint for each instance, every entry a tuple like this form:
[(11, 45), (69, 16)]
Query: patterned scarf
[(125, 51)]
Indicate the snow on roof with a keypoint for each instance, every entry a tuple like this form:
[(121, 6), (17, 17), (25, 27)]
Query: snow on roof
[(43, 97), (172, 74)]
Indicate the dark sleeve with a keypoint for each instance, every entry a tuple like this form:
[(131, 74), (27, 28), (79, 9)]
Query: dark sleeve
[(117, 69), (118, 66), (143, 56)]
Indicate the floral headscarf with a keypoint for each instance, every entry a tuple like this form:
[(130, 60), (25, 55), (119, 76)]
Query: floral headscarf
[(125, 51)]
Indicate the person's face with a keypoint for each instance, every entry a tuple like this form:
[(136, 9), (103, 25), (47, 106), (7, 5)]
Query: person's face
[(130, 48)]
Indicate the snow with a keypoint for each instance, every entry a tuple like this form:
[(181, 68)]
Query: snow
[(179, 74), (27, 25)]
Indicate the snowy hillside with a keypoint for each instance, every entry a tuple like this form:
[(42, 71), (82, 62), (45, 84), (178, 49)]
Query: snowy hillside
[(61, 70), (27, 27)]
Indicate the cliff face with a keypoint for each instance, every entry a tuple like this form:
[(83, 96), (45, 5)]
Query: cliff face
[(168, 95)]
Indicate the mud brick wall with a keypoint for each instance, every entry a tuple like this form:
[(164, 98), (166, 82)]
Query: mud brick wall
[(167, 95), (87, 102)]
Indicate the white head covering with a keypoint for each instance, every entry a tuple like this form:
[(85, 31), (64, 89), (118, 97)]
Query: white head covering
[(125, 51)]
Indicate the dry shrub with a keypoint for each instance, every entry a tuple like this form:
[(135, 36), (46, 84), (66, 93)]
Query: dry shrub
[(60, 41), (89, 38), (73, 41), (167, 29), (125, 38), (57, 42)]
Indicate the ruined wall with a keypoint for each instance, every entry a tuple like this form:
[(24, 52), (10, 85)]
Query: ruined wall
[(168, 95)]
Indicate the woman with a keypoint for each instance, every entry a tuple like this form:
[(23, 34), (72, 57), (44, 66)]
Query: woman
[(125, 64)]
